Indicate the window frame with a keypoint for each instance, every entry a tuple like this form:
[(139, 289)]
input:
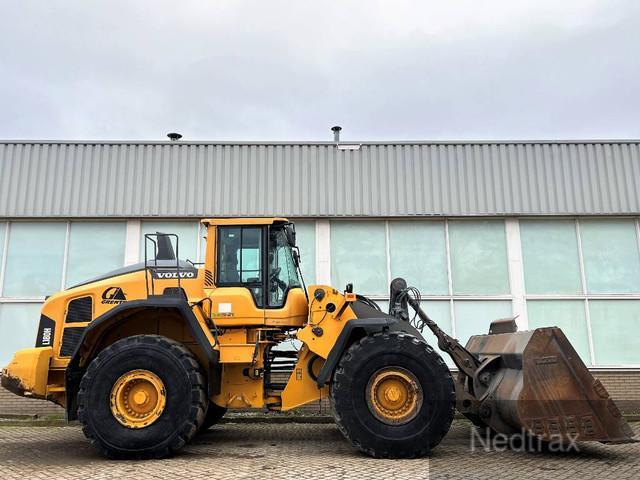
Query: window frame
[(450, 296), (268, 273), (265, 231), (584, 294), (322, 263), (515, 269), (386, 259), (242, 284), (31, 298), (65, 271), (312, 224), (4, 248), (3, 255), (450, 267)]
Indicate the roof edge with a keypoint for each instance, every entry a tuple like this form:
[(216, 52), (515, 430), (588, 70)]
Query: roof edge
[(319, 143)]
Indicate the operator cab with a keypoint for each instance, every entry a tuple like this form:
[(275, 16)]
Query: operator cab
[(256, 270)]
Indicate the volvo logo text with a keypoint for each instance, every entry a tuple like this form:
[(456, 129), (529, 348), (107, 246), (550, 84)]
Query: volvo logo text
[(175, 275)]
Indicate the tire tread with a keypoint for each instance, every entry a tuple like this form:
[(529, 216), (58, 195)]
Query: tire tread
[(184, 433), (341, 386)]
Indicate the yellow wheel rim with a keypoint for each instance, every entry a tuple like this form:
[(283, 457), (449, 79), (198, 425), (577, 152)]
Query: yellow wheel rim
[(394, 395), (138, 398)]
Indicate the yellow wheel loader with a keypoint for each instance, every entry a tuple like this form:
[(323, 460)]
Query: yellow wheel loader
[(146, 356)]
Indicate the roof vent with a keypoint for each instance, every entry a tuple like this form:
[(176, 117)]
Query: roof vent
[(336, 133), (174, 137), (343, 146), (346, 146)]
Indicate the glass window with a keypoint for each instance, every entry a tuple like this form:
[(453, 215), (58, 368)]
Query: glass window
[(473, 317), (358, 256), (34, 259), (478, 257), (3, 228), (94, 248), (383, 304), (18, 328), (439, 312), (569, 315), (611, 257), (250, 255), (550, 256), (283, 274), (306, 240), (240, 259), (202, 236), (614, 326), (187, 234), (418, 254)]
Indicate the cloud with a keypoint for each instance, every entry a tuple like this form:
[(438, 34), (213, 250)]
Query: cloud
[(255, 70)]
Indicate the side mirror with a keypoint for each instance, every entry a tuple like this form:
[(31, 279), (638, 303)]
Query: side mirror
[(296, 256), (290, 232)]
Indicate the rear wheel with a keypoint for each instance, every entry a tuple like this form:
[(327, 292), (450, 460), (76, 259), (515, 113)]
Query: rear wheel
[(142, 397), (392, 396)]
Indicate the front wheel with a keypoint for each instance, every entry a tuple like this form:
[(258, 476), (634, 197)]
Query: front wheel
[(142, 397), (392, 396)]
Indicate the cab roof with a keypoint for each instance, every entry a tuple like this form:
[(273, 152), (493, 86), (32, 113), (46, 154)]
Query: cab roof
[(244, 221)]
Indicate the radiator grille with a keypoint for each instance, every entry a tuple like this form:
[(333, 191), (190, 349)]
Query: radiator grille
[(70, 340), (79, 310)]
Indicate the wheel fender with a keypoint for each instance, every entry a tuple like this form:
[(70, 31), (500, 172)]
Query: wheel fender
[(354, 329), (113, 317)]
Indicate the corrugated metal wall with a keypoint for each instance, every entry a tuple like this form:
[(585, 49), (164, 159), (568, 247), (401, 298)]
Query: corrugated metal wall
[(203, 179)]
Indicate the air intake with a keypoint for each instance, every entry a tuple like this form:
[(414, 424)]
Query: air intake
[(79, 310)]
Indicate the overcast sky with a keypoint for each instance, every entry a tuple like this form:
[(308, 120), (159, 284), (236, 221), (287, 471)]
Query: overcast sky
[(271, 70)]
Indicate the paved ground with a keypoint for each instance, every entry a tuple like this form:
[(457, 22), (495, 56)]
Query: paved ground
[(265, 451)]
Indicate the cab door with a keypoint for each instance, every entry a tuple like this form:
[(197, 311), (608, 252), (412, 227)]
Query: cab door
[(239, 296), (286, 301)]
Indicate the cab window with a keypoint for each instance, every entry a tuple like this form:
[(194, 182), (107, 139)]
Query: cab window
[(283, 274), (240, 259)]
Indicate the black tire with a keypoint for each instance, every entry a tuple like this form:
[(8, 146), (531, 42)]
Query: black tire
[(185, 398), (213, 415), (349, 390)]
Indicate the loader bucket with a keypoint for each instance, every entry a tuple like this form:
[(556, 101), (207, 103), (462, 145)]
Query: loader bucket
[(534, 382)]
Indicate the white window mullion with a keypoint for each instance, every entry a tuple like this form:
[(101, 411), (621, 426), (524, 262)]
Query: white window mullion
[(452, 314), (5, 248), (199, 244), (132, 243), (583, 279), (65, 256), (448, 254), (323, 251), (516, 272), (388, 250), (638, 233), (21, 300)]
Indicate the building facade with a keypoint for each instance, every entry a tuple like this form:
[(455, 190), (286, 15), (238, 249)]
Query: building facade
[(547, 231)]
